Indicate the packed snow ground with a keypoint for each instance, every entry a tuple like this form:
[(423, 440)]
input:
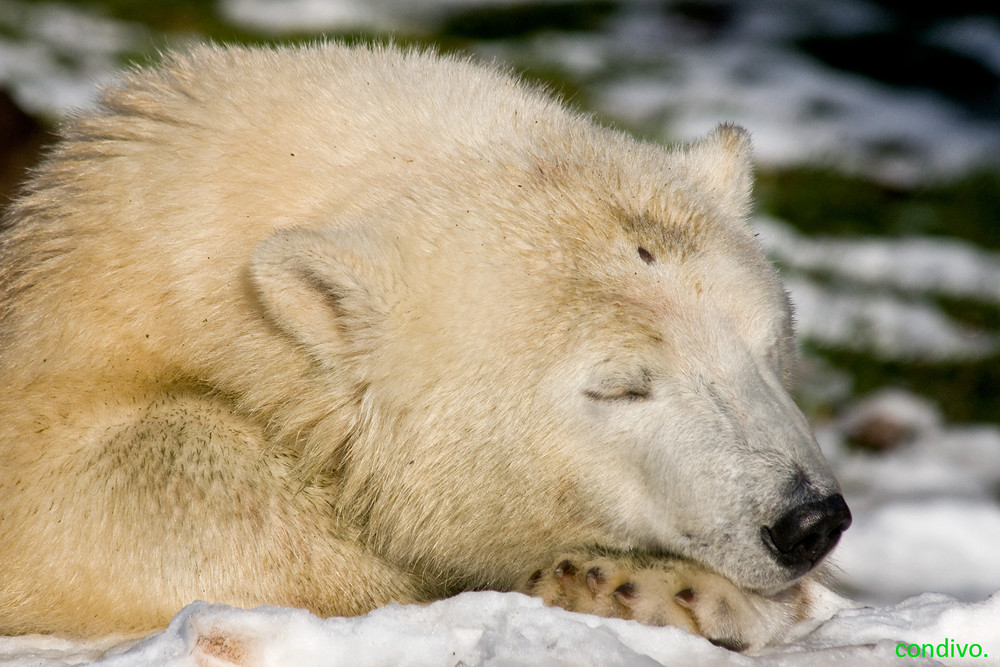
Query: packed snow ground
[(494, 629)]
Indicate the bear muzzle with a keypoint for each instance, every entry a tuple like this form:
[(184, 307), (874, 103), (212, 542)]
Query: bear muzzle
[(807, 532)]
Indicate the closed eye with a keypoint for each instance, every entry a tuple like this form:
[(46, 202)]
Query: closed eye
[(628, 395), (630, 388)]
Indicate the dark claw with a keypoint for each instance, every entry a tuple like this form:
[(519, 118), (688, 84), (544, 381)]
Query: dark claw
[(734, 645), (594, 578), (565, 569), (625, 593), (685, 597)]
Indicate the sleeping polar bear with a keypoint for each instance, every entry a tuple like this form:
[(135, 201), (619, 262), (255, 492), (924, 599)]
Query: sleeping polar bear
[(333, 327)]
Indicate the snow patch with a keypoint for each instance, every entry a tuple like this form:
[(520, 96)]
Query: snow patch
[(62, 56), (891, 547), (947, 267), (876, 295), (493, 629)]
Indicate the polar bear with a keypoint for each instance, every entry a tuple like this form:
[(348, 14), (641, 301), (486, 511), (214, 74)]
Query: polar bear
[(334, 326)]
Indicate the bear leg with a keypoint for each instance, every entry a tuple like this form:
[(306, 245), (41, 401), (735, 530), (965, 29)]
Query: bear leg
[(666, 590), (167, 500)]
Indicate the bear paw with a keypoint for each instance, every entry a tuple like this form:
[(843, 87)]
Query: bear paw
[(667, 590)]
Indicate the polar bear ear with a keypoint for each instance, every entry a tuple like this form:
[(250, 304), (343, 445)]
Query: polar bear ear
[(322, 288), (720, 166)]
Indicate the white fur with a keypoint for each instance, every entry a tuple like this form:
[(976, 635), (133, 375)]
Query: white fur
[(334, 326)]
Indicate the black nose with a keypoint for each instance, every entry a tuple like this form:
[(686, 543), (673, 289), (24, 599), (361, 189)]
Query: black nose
[(808, 532)]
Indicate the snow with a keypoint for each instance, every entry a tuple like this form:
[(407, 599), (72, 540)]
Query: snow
[(276, 18), (939, 266), (62, 55), (884, 324), (801, 112), (493, 629), (976, 36), (926, 517), (678, 80), (907, 541), (876, 295)]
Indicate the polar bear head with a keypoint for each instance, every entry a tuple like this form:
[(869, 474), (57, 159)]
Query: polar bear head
[(570, 338)]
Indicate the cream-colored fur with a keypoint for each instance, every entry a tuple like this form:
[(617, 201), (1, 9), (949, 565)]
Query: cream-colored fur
[(665, 590), (332, 327)]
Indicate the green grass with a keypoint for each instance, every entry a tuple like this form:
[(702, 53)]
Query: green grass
[(166, 17), (504, 22), (966, 391), (824, 202)]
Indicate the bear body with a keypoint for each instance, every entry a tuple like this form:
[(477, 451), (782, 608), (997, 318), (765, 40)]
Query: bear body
[(333, 327)]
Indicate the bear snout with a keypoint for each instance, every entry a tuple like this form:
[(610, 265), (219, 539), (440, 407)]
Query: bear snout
[(807, 532)]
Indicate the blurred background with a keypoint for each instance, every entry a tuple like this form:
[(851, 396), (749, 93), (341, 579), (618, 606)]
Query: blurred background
[(877, 131)]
